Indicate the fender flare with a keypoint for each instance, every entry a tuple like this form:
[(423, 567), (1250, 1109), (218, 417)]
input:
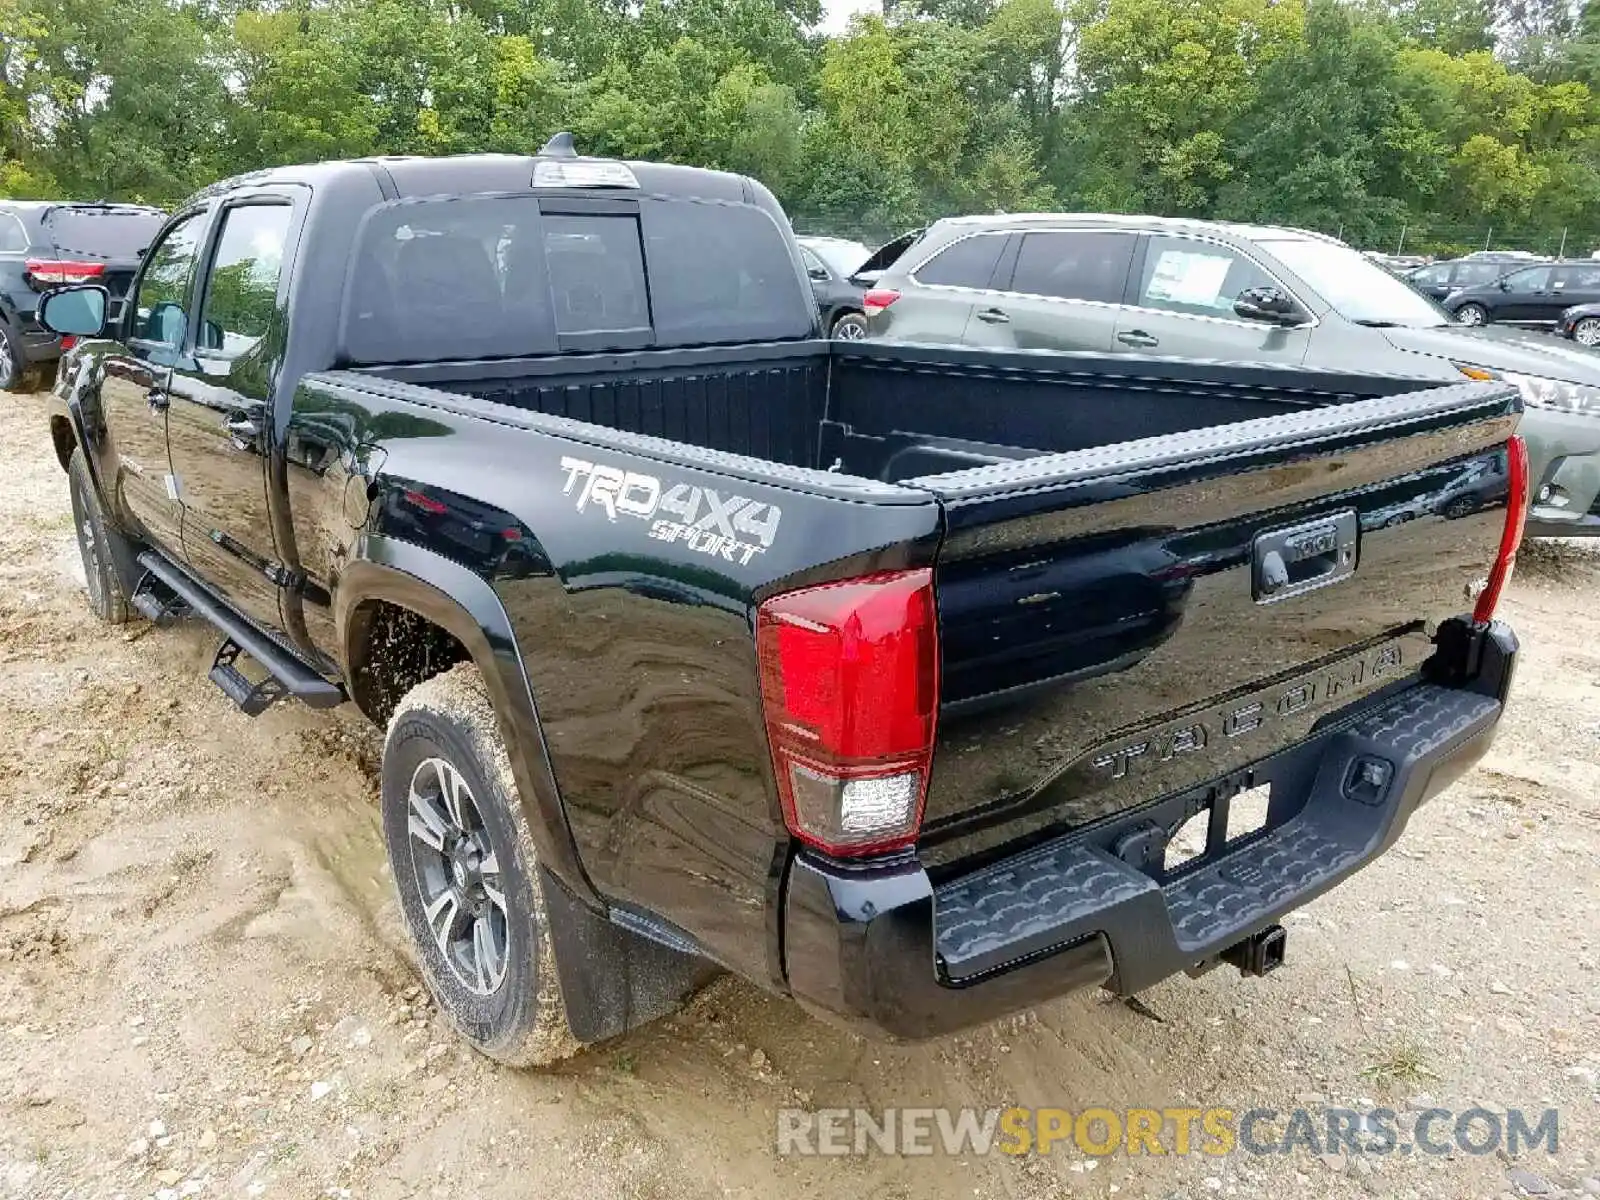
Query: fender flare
[(462, 603)]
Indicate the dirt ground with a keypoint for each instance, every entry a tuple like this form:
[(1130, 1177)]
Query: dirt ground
[(203, 990)]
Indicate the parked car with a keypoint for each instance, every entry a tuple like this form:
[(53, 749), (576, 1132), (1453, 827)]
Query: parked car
[(1581, 323), (1395, 264), (47, 243), (830, 263), (1535, 295), (1201, 289), (1439, 279), (878, 674)]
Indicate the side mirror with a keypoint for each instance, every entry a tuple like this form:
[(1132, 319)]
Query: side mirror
[(78, 311), (820, 274), (1505, 285), (1270, 305)]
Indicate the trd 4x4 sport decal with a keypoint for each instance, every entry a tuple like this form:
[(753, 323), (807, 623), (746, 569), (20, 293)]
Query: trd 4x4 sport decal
[(736, 528)]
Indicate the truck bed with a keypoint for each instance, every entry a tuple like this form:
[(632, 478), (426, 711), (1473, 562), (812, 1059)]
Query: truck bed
[(1102, 518), (892, 412)]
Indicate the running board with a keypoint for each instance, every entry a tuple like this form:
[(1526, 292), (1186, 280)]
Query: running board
[(287, 675)]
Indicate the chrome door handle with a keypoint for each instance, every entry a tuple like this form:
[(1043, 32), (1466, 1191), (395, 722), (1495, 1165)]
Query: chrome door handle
[(1138, 337), (994, 316)]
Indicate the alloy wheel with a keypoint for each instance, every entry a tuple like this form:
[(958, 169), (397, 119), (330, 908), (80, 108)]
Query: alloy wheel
[(458, 875), (1587, 331)]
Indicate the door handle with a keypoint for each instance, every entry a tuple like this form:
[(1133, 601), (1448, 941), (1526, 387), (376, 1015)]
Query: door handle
[(994, 316), (159, 399), (1138, 337)]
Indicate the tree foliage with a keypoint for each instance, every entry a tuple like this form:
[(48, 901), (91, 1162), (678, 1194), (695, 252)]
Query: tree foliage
[(1358, 115)]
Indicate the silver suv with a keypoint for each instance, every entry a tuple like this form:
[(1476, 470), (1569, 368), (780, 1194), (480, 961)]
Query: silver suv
[(1244, 293)]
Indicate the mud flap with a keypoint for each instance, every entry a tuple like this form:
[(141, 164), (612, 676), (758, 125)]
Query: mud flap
[(613, 979)]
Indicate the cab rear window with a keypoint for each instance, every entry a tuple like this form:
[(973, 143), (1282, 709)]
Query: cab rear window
[(503, 277)]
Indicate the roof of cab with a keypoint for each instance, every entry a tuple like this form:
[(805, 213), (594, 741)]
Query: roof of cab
[(472, 174)]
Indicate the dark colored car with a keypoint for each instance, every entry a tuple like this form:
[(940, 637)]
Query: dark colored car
[(1438, 280), (44, 244), (1581, 323), (1530, 295), (881, 675), (830, 265)]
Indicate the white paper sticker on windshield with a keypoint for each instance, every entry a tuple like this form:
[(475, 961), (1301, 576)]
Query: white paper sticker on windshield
[(1184, 277)]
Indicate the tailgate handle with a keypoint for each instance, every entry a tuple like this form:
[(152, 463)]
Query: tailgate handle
[(1313, 554)]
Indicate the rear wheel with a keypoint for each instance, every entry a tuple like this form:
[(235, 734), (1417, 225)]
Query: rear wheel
[(1587, 331), (467, 874), (1472, 314), (851, 327), (97, 545)]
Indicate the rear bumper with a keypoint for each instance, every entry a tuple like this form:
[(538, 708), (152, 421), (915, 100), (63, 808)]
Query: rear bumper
[(38, 344), (1564, 462), (883, 949)]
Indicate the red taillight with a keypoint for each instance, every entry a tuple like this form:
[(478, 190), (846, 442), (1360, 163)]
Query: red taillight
[(68, 341), (52, 272), (426, 503), (875, 301), (1511, 536), (850, 692)]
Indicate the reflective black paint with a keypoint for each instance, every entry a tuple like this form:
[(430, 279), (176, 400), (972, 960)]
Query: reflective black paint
[(1075, 614)]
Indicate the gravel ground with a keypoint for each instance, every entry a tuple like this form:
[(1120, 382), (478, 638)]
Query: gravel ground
[(203, 988)]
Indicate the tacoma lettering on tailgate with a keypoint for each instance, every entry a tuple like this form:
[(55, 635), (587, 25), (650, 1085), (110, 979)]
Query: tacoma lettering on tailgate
[(1339, 684)]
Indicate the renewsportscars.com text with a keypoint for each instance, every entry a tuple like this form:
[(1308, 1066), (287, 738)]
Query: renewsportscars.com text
[(1100, 1132)]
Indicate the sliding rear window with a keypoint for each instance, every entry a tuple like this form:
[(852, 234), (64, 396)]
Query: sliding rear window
[(494, 277), (721, 273)]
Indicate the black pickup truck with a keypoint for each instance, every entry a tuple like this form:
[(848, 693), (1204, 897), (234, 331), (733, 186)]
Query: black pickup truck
[(881, 675)]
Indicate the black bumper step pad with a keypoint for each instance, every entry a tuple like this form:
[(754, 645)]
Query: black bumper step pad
[(1070, 889)]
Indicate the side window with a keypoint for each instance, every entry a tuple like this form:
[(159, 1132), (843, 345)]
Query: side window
[(1586, 278), (1535, 279), (13, 237), (161, 306), (1473, 274), (1429, 276), (1074, 266), (242, 289), (1198, 278), (596, 274), (968, 263), (813, 263)]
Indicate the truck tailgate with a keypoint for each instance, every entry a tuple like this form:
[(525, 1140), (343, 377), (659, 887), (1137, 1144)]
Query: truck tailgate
[(1120, 624)]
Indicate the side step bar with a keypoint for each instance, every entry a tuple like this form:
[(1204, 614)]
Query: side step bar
[(288, 675)]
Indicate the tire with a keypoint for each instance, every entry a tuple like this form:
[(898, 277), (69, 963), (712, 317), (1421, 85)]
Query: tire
[(851, 327), (98, 545), (472, 865), (1472, 314), (1587, 331), (13, 367)]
